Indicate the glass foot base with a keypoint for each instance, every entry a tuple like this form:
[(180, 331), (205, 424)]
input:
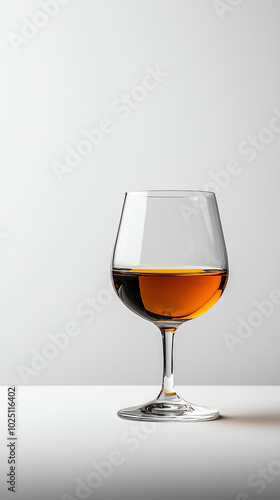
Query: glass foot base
[(169, 409)]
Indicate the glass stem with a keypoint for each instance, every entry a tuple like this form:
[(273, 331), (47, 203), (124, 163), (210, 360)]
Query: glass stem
[(168, 388)]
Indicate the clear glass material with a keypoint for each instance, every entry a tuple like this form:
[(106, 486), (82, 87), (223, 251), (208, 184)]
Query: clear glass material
[(169, 266)]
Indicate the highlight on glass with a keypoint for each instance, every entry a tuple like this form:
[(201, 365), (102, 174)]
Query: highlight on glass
[(169, 266)]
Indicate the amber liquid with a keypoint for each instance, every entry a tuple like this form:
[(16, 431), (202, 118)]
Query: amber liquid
[(169, 294)]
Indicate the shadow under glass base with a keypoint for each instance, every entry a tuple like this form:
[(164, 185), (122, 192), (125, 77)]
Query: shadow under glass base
[(169, 408)]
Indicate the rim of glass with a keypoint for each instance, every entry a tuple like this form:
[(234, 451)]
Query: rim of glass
[(179, 193)]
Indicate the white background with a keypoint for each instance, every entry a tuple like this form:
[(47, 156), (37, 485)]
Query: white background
[(57, 235)]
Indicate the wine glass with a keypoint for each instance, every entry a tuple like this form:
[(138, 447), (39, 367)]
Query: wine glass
[(169, 265)]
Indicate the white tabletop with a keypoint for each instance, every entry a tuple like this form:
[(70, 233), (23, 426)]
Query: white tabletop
[(65, 433)]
